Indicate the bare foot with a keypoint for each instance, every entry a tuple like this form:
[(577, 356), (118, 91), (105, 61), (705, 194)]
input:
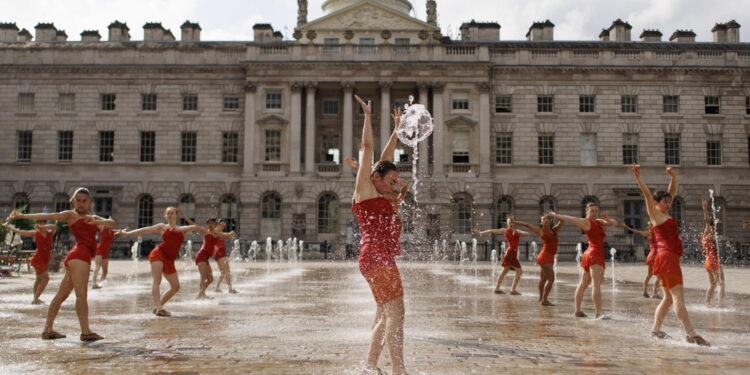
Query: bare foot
[(498, 291), (37, 302), (219, 291), (233, 291)]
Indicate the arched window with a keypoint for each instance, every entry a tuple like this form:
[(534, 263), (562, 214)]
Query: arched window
[(270, 213), (586, 200), (504, 208), (328, 213), (461, 213), (676, 211), (228, 211), (61, 202), (187, 203), (21, 202), (145, 211)]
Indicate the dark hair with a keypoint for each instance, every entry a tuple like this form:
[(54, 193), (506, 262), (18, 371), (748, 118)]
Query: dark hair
[(661, 195), (211, 220), (383, 167), (223, 221)]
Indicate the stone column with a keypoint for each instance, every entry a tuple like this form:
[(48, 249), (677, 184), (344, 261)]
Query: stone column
[(295, 128), (310, 128), (385, 113), (424, 146), (438, 134), (248, 155), (348, 131), (485, 165)]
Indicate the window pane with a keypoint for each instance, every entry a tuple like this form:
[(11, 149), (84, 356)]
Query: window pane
[(148, 146), (231, 103), (546, 148), (504, 148), (25, 102), (328, 214), (545, 103), (713, 149), (630, 149), (189, 147), (629, 103), (586, 103), (65, 145), (671, 104), (107, 102), (190, 102), (145, 211), (23, 147), (148, 102), (713, 105), (503, 104), (106, 146), (461, 142), (273, 145), (588, 149), (230, 148), (672, 149), (330, 107), (273, 100), (67, 102)]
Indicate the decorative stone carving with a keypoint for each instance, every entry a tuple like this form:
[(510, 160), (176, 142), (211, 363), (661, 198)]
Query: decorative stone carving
[(301, 12), (347, 85), (485, 87), (630, 127), (296, 86), (588, 128), (546, 90), (348, 34), (250, 87), (546, 127), (107, 89), (431, 11), (385, 34), (66, 89), (423, 35), (148, 88), (299, 190), (437, 35), (231, 90), (189, 89), (385, 85), (297, 35), (312, 35), (714, 128), (586, 90), (438, 86), (311, 85), (368, 17)]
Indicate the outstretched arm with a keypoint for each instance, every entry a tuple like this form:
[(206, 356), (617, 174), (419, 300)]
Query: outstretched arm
[(390, 148), (539, 232), (706, 218), (192, 226), (98, 220), (57, 216), (577, 221), (650, 204), (636, 231), (489, 231), (156, 228), (25, 233)]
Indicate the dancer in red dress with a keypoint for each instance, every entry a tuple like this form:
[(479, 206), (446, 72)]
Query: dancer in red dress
[(381, 227), (510, 259), (77, 262), (713, 268), (667, 261), (592, 261), (203, 255), (163, 256), (220, 255), (43, 235), (546, 258), (649, 258), (106, 237)]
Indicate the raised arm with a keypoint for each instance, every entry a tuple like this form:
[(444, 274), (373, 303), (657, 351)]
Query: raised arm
[(25, 233), (672, 189), (364, 189), (606, 221), (390, 148), (650, 203), (192, 226), (577, 221), (539, 232), (156, 228), (488, 231), (636, 231)]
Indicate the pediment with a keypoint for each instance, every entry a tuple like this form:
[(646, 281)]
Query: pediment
[(460, 120), (272, 119), (367, 16)]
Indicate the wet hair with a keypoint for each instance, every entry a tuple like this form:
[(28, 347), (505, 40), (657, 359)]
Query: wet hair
[(661, 195), (81, 190), (211, 220), (383, 167)]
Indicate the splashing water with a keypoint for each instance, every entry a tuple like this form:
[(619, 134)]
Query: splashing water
[(474, 255), (254, 250), (715, 212), (463, 253), (533, 252), (133, 273), (579, 255), (613, 252), (435, 251), (301, 247), (280, 249), (493, 260), (416, 124), (269, 248), (235, 255)]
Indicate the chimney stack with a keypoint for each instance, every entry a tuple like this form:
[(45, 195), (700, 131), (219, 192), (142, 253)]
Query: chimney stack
[(651, 35), (61, 36), (726, 32), (24, 36), (263, 32), (153, 32), (541, 31), (45, 32), (90, 36), (480, 31), (682, 36), (604, 35), (619, 31), (119, 32), (191, 32), (8, 32)]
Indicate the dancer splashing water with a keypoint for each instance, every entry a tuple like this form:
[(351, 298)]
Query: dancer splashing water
[(510, 259), (42, 234), (649, 259), (106, 236), (712, 266), (592, 261), (380, 226), (667, 262), (204, 254), (220, 255), (77, 262), (546, 258), (163, 256)]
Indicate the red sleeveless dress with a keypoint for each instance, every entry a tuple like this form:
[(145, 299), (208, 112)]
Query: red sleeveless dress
[(594, 254), (381, 228), (106, 237), (209, 243), (712, 255), (85, 247), (168, 250), (652, 248), (510, 259), (40, 259), (220, 249), (667, 261), (549, 247)]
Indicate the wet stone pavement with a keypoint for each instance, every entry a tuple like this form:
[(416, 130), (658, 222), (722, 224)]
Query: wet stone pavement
[(315, 318)]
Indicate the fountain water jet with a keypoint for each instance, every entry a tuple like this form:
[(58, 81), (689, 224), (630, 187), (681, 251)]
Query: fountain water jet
[(613, 252)]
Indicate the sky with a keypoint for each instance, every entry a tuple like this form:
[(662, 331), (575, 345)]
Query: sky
[(233, 19)]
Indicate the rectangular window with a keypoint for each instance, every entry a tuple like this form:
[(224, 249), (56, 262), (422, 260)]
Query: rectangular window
[(629, 149), (273, 146), (65, 145), (366, 45), (587, 103), (190, 102), (546, 146), (188, 147), (330, 107), (273, 100), (331, 45), (504, 148), (713, 105), (713, 149), (588, 149), (503, 104), (23, 147), (629, 103), (231, 103), (148, 147), (460, 101), (672, 149), (671, 103), (230, 147), (148, 102), (330, 144), (106, 146), (545, 103), (107, 102), (461, 146), (25, 102), (66, 102), (402, 46)]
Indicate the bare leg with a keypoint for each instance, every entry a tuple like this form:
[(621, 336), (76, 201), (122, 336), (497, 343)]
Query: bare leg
[(712, 281), (378, 338), (542, 282), (221, 277), (582, 286), (105, 269), (657, 281), (597, 275), (501, 277), (661, 310), (645, 282), (174, 287), (394, 334), (548, 270), (40, 284), (156, 272), (206, 278), (680, 310), (226, 273), (66, 286), (98, 262), (721, 286), (516, 279), (80, 278)]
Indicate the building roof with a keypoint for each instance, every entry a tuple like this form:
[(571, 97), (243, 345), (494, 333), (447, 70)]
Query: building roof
[(546, 23), (653, 33), (91, 33), (61, 33), (480, 24), (262, 26), (191, 25), (605, 32), (619, 22), (118, 24), (45, 26), (153, 25), (8, 26), (24, 32), (682, 34)]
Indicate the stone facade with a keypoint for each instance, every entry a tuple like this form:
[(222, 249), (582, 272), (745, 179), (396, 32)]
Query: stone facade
[(288, 103)]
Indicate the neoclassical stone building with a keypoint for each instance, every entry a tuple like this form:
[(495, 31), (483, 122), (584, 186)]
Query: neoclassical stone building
[(257, 131)]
